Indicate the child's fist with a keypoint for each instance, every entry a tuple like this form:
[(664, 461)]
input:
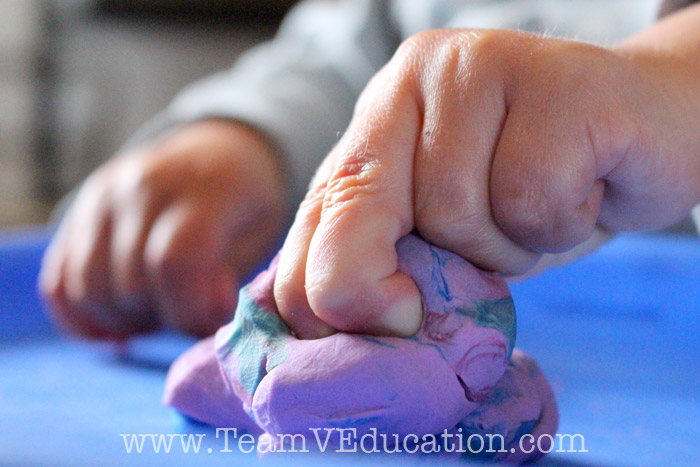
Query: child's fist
[(162, 235), (497, 145)]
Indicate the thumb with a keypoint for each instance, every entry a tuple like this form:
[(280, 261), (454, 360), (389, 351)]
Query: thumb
[(339, 263)]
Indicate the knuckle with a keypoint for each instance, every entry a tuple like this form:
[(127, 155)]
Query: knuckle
[(457, 51), (489, 43), (99, 179), (359, 174), (454, 62), (93, 198), (420, 43), (137, 175), (151, 168), (483, 57), (425, 55), (348, 189), (141, 177), (313, 197)]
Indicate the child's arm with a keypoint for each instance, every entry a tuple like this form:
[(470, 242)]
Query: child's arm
[(162, 233), (499, 146), (297, 90)]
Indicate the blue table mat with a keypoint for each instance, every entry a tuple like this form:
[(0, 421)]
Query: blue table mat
[(616, 333)]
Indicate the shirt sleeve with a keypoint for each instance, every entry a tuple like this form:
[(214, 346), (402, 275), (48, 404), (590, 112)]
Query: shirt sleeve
[(298, 89), (695, 215)]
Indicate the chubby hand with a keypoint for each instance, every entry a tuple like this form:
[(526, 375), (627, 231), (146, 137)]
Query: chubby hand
[(497, 145), (160, 236)]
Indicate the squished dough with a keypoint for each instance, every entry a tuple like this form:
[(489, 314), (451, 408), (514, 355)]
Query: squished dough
[(459, 372)]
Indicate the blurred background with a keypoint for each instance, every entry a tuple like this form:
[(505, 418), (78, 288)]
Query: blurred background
[(77, 77)]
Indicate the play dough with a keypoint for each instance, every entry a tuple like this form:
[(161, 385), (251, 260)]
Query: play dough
[(455, 374)]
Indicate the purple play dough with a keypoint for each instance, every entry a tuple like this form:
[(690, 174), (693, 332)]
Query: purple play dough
[(521, 403), (442, 378), (197, 388)]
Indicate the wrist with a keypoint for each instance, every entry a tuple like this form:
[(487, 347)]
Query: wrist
[(674, 94), (667, 52)]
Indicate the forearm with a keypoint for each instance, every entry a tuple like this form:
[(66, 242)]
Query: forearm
[(662, 95), (299, 89), (672, 47)]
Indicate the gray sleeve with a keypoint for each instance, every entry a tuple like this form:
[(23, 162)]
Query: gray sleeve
[(300, 88), (695, 215)]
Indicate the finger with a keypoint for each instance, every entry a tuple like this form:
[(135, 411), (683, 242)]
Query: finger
[(351, 276), (135, 215), (131, 295), (186, 268), (67, 316), (544, 188), (81, 306), (87, 284), (51, 284), (553, 260), (462, 125), (50, 280), (289, 287)]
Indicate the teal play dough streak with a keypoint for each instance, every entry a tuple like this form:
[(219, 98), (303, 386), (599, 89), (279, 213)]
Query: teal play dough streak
[(496, 314), (258, 339)]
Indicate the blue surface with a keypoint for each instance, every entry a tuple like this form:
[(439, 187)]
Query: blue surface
[(616, 333)]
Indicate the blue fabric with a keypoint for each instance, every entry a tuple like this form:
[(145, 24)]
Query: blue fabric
[(21, 315), (616, 333)]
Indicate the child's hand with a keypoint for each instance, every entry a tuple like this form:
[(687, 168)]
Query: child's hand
[(496, 145), (161, 236)]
